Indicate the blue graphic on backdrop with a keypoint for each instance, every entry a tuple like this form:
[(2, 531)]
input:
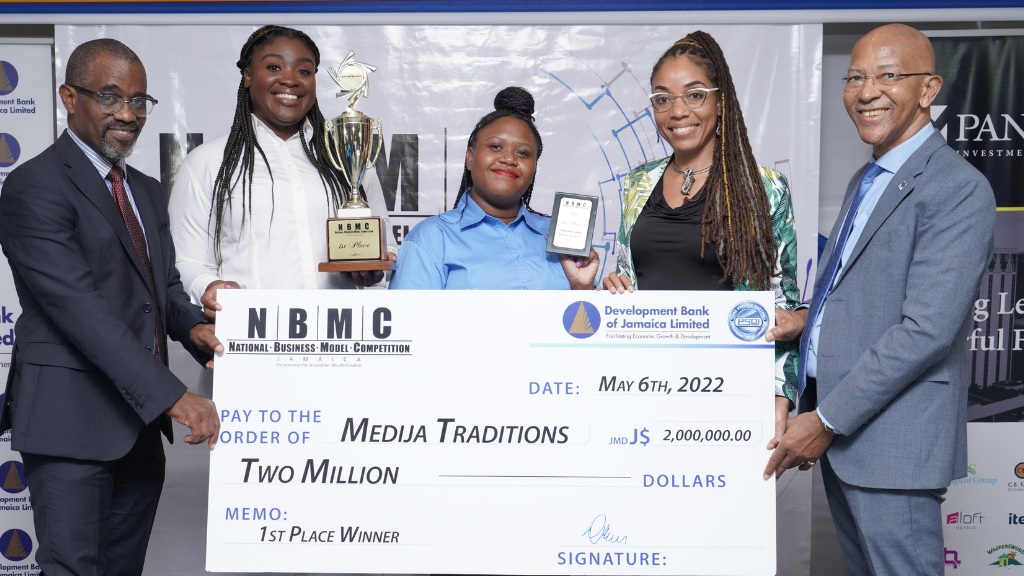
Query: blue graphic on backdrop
[(15, 545), (10, 150), (8, 78), (12, 476)]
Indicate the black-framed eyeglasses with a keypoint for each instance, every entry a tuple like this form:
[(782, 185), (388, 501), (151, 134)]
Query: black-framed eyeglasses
[(693, 98), (141, 106), (885, 80)]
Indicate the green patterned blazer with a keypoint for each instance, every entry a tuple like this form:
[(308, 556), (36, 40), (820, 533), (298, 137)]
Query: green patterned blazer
[(637, 188)]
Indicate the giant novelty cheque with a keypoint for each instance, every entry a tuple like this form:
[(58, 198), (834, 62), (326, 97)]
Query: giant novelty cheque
[(487, 432)]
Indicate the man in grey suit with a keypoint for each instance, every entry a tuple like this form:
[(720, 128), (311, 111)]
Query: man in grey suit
[(885, 335), (89, 391)]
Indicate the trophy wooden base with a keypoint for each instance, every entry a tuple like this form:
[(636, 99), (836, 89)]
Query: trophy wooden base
[(360, 266)]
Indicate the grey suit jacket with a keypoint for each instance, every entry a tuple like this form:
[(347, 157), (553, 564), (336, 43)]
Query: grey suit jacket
[(892, 359), (84, 380)]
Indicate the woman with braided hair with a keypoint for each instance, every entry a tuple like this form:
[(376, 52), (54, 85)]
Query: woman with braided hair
[(492, 238), (708, 217), (249, 208)]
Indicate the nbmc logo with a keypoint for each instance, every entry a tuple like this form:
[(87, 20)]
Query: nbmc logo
[(581, 319), (748, 321)]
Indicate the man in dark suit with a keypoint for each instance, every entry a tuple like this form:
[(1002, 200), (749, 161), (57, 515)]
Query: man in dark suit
[(884, 347), (89, 390)]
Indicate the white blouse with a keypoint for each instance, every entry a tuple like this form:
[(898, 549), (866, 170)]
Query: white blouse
[(283, 237)]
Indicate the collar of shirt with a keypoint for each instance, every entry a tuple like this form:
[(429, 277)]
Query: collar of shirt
[(473, 215), (894, 159), (264, 131), (98, 160)]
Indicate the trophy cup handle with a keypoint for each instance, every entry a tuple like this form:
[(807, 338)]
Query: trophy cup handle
[(380, 141), (329, 140)]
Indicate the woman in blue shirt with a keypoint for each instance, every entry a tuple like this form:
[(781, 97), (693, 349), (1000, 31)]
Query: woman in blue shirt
[(492, 239)]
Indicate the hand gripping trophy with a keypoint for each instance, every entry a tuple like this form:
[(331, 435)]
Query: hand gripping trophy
[(355, 239)]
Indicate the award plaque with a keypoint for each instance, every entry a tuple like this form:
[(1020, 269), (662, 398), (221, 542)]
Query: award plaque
[(356, 238), (572, 224)]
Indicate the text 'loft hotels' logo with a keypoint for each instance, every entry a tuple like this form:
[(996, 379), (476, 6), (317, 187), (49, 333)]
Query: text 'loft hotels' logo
[(12, 477), (748, 321), (10, 150), (8, 78), (964, 520), (1006, 555), (581, 319), (15, 545)]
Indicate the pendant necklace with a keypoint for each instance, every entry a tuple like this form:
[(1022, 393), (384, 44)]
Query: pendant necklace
[(688, 175)]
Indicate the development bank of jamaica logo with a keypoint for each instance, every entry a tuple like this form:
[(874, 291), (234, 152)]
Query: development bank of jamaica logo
[(581, 319), (748, 321), (12, 477), (15, 545), (10, 150), (1007, 555), (8, 78)]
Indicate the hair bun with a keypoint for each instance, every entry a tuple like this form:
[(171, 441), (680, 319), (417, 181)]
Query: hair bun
[(515, 99)]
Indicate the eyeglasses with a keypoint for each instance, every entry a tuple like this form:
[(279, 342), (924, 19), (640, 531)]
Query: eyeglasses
[(693, 98), (886, 80), (141, 106)]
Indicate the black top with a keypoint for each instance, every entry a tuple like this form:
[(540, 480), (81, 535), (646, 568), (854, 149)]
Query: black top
[(665, 245)]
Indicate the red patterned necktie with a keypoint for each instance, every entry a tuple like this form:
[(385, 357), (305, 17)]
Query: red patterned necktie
[(116, 177)]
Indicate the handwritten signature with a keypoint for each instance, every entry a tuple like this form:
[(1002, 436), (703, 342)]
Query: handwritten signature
[(601, 531)]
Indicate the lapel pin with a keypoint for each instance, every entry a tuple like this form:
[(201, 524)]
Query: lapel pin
[(903, 185)]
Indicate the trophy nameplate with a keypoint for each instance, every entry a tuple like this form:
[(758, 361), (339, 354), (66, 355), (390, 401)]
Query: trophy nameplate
[(355, 238), (572, 224)]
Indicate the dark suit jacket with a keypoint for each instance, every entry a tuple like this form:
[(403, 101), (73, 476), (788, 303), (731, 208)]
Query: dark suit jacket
[(892, 351), (84, 379)]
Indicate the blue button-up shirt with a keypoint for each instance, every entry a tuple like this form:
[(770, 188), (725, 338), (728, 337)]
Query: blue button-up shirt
[(465, 249)]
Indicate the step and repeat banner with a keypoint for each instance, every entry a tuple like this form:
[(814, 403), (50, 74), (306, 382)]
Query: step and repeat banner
[(980, 111), (26, 129)]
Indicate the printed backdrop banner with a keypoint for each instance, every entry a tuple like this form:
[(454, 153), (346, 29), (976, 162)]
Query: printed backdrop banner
[(433, 83), (26, 128), (980, 111), (979, 108)]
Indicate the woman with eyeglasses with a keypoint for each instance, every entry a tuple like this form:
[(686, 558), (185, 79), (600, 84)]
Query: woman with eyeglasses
[(708, 217)]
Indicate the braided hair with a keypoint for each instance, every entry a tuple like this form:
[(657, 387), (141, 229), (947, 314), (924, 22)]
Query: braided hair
[(242, 145), (518, 103), (737, 218)]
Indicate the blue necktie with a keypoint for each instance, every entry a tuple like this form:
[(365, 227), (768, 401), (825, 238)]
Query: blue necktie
[(832, 270)]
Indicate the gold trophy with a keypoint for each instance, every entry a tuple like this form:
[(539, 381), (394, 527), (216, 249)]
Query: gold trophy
[(355, 239)]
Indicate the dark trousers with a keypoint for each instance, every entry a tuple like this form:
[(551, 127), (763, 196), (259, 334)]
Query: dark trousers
[(94, 518)]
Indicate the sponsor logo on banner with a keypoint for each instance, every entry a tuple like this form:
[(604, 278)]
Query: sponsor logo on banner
[(974, 478), (1017, 485), (581, 319), (15, 545), (951, 558), (964, 520), (8, 78), (10, 150), (1005, 555), (748, 321), (12, 476)]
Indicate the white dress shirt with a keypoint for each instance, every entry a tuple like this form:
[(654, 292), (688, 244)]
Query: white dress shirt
[(283, 236)]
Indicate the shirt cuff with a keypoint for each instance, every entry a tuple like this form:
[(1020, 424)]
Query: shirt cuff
[(825, 422)]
